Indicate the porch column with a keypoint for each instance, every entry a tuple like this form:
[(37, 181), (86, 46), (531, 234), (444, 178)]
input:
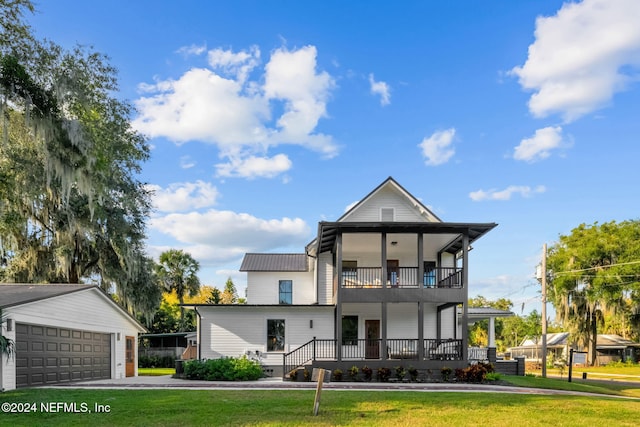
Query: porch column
[(465, 304), (383, 260), (492, 332), (383, 332), (339, 297), (420, 277), (420, 330)]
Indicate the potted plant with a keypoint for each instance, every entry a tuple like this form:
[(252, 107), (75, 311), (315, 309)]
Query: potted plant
[(367, 372)]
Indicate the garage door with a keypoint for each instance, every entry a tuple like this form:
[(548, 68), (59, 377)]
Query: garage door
[(46, 355)]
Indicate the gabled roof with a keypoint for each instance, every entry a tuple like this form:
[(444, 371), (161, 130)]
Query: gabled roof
[(274, 262), (393, 184), (18, 294), (13, 295)]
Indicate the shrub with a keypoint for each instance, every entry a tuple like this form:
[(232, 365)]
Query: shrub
[(474, 373), (446, 373), (353, 372), (145, 361), (413, 373), (337, 375), (367, 372), (224, 369), (384, 374), (400, 372), (306, 374)]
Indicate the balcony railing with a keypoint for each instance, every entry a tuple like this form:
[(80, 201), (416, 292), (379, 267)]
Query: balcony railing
[(402, 277)]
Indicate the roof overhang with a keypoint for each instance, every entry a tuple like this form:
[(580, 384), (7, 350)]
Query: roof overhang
[(328, 231)]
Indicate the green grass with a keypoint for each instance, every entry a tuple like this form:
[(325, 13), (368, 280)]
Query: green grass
[(156, 371), (338, 407), (600, 387)]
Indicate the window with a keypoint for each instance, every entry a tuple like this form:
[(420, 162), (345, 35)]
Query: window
[(285, 292), (387, 214), (275, 335), (349, 330)]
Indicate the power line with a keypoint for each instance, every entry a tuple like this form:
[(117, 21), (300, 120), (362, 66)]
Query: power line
[(595, 268)]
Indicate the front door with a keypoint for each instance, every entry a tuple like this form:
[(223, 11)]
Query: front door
[(372, 329), (130, 356)]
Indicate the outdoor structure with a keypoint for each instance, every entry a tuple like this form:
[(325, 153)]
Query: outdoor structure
[(610, 348), (179, 345), (64, 333), (385, 284)]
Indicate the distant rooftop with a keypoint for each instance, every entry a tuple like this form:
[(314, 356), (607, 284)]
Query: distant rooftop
[(274, 262)]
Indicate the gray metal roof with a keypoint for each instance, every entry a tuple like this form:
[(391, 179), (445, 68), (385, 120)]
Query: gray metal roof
[(274, 262), (18, 294)]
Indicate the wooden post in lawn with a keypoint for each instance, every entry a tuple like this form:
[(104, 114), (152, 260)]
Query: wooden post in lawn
[(316, 403)]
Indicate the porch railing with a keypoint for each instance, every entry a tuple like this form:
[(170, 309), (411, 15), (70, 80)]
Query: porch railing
[(364, 349), (402, 277)]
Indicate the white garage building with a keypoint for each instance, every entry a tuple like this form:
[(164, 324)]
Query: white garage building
[(64, 333)]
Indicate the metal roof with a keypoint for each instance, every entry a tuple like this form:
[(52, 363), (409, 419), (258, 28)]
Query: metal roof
[(274, 262), (18, 294)]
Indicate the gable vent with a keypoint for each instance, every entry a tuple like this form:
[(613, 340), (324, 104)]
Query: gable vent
[(387, 214)]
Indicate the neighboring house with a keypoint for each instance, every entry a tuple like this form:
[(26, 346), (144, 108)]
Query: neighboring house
[(179, 345), (387, 281), (610, 348), (65, 333)]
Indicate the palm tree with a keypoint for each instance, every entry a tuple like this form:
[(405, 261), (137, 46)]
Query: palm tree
[(177, 271)]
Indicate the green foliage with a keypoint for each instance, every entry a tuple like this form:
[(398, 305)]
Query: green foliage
[(7, 346), (177, 272), (445, 373), (474, 373), (413, 373), (594, 281), (224, 369), (493, 376), (156, 361), (400, 372), (353, 372), (337, 374)]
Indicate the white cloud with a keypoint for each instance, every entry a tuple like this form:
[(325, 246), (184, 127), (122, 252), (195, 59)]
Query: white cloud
[(382, 89), (192, 50), (506, 194), (222, 105), (186, 162), (183, 196), (252, 167), (436, 149), (222, 235), (539, 146), (581, 57)]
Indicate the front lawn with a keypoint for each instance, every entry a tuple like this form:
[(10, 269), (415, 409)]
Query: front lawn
[(294, 408)]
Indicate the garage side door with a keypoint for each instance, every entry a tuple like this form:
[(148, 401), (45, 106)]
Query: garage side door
[(46, 355)]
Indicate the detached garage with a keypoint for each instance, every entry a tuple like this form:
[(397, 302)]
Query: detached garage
[(65, 333)]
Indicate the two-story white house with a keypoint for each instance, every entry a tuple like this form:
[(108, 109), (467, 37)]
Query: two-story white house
[(387, 281)]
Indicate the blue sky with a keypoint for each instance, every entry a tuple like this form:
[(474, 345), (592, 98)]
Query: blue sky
[(266, 117)]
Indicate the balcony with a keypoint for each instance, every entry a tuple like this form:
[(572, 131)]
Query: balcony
[(402, 277)]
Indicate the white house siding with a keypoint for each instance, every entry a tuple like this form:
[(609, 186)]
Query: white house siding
[(231, 331), (263, 287), (402, 320), (84, 310), (369, 211), (325, 278)]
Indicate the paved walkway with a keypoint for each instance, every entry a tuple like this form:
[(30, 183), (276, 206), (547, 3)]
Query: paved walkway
[(167, 382)]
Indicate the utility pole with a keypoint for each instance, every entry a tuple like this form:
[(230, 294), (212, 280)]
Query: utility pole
[(544, 310)]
